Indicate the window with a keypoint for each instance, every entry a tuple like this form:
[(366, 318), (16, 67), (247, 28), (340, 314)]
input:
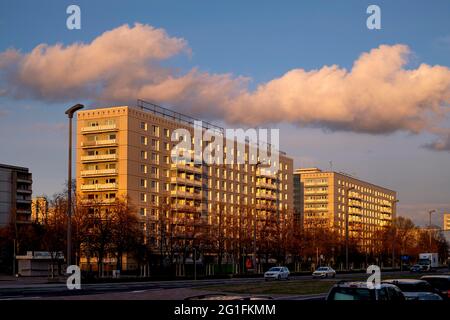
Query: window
[(143, 183), (155, 130), (143, 168), (143, 197), (144, 140), (143, 211), (144, 155), (144, 126), (166, 133), (155, 144)]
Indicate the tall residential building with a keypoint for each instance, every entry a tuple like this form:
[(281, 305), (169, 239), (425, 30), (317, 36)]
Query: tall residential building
[(325, 198), (125, 151), (15, 195), (446, 223), (39, 209)]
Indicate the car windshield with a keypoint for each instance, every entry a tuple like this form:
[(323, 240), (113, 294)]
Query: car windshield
[(275, 269), (414, 287), (322, 269), (352, 294)]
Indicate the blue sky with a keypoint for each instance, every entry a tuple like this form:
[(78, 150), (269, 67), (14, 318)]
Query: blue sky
[(261, 40)]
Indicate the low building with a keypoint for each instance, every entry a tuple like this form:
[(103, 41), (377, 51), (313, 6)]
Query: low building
[(324, 199), (38, 263), (15, 195)]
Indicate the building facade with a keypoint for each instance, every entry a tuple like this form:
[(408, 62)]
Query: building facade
[(15, 195), (446, 222), (39, 210), (126, 152), (324, 199)]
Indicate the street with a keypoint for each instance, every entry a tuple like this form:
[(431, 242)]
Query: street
[(164, 290)]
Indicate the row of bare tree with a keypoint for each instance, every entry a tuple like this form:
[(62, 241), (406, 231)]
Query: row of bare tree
[(102, 232)]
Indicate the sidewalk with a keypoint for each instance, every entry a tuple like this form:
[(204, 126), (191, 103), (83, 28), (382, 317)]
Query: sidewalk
[(7, 281)]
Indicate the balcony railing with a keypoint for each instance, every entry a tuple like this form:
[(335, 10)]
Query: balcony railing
[(104, 172), (100, 157), (266, 195), (99, 186), (187, 181), (98, 201), (185, 194), (316, 191), (272, 186), (106, 127), (99, 143), (186, 167)]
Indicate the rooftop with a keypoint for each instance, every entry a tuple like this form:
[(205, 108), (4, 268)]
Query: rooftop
[(11, 167)]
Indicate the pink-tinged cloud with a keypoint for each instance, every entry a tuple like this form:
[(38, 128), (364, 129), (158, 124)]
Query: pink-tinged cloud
[(379, 94)]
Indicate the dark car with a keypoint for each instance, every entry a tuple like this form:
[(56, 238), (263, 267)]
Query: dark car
[(360, 291), (441, 283), (414, 289)]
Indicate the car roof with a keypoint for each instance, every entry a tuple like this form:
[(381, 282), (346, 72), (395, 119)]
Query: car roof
[(359, 284), (404, 281), (443, 276)]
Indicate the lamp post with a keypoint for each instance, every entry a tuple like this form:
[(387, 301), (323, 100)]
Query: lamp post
[(346, 227), (429, 224), (70, 112)]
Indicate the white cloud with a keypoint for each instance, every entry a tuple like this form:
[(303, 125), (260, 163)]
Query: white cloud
[(379, 94)]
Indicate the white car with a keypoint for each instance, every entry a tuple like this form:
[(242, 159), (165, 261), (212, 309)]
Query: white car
[(324, 272), (277, 273)]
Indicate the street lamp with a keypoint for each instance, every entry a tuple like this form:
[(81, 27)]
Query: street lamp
[(346, 227), (70, 112), (429, 224)]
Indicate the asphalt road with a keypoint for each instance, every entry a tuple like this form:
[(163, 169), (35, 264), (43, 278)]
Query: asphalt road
[(143, 290)]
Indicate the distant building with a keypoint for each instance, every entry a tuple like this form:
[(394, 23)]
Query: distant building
[(323, 199), (15, 195), (446, 223), (39, 209)]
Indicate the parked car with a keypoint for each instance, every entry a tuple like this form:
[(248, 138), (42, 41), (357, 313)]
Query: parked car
[(277, 273), (416, 268), (414, 289), (324, 272), (360, 291), (441, 283)]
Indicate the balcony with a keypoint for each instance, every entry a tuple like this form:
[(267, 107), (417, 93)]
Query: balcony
[(99, 187), (99, 143), (265, 195), (99, 157), (185, 194), (310, 192), (186, 181), (265, 185), (93, 173), (23, 201), (22, 190), (98, 201), (185, 167), (316, 200), (102, 128)]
